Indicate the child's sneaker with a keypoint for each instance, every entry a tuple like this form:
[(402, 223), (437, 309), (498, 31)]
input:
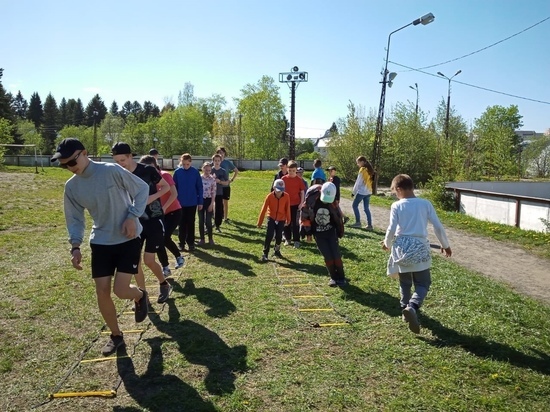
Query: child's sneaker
[(112, 344), (264, 258), (277, 253), (287, 242), (200, 242), (218, 229), (296, 245), (180, 260), (166, 271), (410, 316), (332, 283), (164, 292), (141, 307), (369, 228), (356, 224), (211, 242)]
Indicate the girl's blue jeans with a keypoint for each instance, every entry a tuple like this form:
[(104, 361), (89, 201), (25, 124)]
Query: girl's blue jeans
[(355, 205)]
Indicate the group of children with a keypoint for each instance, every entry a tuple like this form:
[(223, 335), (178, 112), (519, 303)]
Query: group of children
[(289, 206)]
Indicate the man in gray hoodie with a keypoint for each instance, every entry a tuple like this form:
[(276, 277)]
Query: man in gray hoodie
[(115, 200)]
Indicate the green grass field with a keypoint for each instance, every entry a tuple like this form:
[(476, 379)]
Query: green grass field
[(238, 335)]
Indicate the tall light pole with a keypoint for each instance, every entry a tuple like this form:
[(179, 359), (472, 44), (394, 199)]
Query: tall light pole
[(377, 147), (448, 101), (447, 119), (292, 78), (95, 113), (416, 88)]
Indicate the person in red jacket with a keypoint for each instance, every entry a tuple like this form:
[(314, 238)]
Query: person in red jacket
[(277, 206)]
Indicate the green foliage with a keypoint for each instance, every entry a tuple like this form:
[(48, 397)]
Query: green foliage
[(5, 136), (263, 122), (309, 156), (434, 190), (409, 145), (355, 138), (495, 145)]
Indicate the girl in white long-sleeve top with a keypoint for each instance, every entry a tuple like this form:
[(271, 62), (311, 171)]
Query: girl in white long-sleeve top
[(407, 239)]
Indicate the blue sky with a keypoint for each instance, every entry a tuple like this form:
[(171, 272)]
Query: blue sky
[(144, 50)]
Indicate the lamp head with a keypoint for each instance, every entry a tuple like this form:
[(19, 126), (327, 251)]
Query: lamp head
[(392, 76), (441, 74), (458, 72), (427, 18)]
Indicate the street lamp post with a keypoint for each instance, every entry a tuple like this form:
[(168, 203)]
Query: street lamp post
[(292, 78), (95, 113), (416, 88), (387, 80), (448, 114)]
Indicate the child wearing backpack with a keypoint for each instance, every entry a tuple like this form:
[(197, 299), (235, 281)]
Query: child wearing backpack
[(277, 206), (324, 220)]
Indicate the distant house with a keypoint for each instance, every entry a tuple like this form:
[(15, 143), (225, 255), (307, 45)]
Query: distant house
[(527, 136)]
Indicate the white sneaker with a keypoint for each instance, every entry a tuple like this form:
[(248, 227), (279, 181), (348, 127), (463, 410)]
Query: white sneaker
[(166, 271), (264, 258), (180, 260), (411, 317), (287, 243)]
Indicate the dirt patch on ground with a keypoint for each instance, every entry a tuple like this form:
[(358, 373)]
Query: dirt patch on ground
[(506, 263)]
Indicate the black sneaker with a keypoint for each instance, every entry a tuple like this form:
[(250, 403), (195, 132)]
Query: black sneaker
[(141, 307), (164, 292), (113, 344), (341, 282), (277, 253), (409, 313)]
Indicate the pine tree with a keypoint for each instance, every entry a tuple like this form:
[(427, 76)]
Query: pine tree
[(35, 113), (20, 106), (6, 111), (95, 111), (114, 108), (63, 114), (50, 126)]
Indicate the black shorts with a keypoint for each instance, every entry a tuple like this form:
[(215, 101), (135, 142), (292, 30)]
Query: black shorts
[(226, 192), (108, 259), (152, 234)]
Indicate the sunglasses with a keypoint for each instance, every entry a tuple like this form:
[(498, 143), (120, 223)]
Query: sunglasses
[(70, 163)]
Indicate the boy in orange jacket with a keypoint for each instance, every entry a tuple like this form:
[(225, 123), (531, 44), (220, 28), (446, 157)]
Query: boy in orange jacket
[(277, 206)]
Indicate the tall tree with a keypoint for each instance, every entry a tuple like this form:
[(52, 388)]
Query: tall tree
[(50, 125), (35, 113), (114, 108), (186, 97), (496, 143), (6, 111), (20, 106), (63, 113), (262, 119), (95, 111), (126, 109)]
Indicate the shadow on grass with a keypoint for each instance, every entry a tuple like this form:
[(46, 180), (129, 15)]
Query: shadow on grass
[(226, 262), (483, 348), (201, 346), (155, 391), (381, 301), (218, 305)]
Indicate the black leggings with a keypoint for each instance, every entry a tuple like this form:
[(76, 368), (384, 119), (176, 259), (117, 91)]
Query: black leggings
[(292, 231), (273, 228), (171, 222), (187, 226)]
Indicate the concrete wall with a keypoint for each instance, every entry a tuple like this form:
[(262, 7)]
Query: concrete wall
[(523, 206), (529, 189)]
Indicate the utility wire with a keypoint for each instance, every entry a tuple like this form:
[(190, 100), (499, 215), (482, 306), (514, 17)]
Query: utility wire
[(473, 85), (484, 48)]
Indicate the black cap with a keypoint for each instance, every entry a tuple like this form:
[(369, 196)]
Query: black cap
[(121, 148), (283, 161), (66, 148), (153, 152)]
